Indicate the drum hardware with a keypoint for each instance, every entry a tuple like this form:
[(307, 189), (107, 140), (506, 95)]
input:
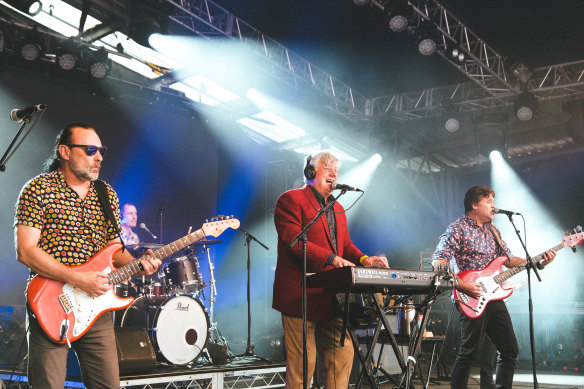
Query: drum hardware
[(207, 242), (215, 335), (212, 286)]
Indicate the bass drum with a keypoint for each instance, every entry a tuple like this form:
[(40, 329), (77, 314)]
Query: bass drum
[(178, 326)]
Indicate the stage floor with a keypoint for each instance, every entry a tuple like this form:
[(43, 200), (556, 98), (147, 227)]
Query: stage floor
[(239, 372), (253, 373)]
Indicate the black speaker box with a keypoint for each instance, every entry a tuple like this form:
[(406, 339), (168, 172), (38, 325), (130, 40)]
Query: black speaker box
[(217, 352), (135, 351)]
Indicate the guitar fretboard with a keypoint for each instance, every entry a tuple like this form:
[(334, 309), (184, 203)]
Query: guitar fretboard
[(500, 278), (125, 272)]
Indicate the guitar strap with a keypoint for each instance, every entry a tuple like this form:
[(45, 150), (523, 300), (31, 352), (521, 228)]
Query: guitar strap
[(498, 240), (101, 190)]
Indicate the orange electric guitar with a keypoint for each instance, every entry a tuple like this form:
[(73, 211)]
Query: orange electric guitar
[(66, 312), (491, 278)]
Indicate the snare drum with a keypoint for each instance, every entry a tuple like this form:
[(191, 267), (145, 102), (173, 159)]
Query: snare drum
[(156, 289), (178, 326), (183, 275)]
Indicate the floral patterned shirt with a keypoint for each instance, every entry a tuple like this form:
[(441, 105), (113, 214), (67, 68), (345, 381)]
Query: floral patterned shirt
[(467, 246), (72, 229)]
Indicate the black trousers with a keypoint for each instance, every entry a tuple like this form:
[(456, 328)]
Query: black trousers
[(496, 322)]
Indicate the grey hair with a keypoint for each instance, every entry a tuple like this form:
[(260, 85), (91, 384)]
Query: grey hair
[(323, 158)]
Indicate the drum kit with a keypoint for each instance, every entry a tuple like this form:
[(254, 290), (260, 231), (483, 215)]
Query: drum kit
[(168, 305)]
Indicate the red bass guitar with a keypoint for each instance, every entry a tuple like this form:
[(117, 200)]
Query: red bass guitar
[(491, 278), (66, 312)]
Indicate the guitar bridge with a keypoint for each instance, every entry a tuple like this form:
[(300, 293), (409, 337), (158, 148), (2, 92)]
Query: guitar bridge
[(65, 303), (463, 297)]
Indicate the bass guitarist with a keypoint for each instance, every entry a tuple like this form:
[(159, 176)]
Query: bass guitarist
[(60, 223), (470, 244)]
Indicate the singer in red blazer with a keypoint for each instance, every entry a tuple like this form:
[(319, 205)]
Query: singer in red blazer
[(295, 209)]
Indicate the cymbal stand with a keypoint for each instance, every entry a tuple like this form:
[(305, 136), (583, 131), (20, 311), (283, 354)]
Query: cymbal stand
[(201, 284), (212, 287), (214, 333)]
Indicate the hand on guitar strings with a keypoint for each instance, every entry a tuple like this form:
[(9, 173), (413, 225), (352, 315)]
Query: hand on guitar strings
[(94, 283), (150, 263)]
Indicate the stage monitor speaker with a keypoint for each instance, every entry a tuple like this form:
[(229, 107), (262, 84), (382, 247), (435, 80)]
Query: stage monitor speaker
[(217, 352), (135, 351)]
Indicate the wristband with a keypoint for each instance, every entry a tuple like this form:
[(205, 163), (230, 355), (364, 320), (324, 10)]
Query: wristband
[(362, 258), (330, 259)]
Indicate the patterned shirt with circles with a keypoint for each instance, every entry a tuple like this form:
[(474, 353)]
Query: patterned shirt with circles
[(72, 230)]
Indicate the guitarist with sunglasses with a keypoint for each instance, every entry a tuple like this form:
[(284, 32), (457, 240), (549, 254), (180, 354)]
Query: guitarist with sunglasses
[(60, 223), (470, 244)]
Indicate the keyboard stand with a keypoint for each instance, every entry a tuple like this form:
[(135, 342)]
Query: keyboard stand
[(384, 330)]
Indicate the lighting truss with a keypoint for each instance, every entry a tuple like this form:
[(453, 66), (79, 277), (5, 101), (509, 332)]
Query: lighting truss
[(207, 19), (547, 83), (491, 84), (484, 65)]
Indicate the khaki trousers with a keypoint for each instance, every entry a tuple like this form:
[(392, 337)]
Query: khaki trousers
[(96, 351), (322, 339)]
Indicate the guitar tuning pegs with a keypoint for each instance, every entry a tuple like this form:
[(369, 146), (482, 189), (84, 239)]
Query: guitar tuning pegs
[(578, 229)]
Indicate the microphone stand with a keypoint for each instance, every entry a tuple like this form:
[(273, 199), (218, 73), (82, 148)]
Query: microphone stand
[(9, 151), (248, 238), (159, 217), (302, 236), (529, 265)]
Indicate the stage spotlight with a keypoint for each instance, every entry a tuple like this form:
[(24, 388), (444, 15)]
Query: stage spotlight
[(491, 133), (496, 156), (145, 21), (426, 38), (525, 106), (31, 7), (67, 56), (361, 2), (99, 64), (32, 46), (454, 53), (398, 14), (452, 121), (451, 117)]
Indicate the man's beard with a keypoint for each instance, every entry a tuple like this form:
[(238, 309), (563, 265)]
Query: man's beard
[(84, 173)]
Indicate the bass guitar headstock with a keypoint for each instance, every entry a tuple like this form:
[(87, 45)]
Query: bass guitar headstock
[(574, 237)]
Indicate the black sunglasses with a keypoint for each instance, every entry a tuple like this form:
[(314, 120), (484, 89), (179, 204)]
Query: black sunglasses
[(91, 150)]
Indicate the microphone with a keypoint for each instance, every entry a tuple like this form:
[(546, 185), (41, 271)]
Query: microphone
[(335, 186), (508, 213), (18, 114), (143, 226)]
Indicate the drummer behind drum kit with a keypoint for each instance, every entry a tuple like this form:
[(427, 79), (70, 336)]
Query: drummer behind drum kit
[(167, 306)]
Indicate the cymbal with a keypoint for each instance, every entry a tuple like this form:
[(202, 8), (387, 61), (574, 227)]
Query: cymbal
[(137, 246), (206, 242)]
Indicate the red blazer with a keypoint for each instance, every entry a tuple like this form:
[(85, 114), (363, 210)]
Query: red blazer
[(295, 209)]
